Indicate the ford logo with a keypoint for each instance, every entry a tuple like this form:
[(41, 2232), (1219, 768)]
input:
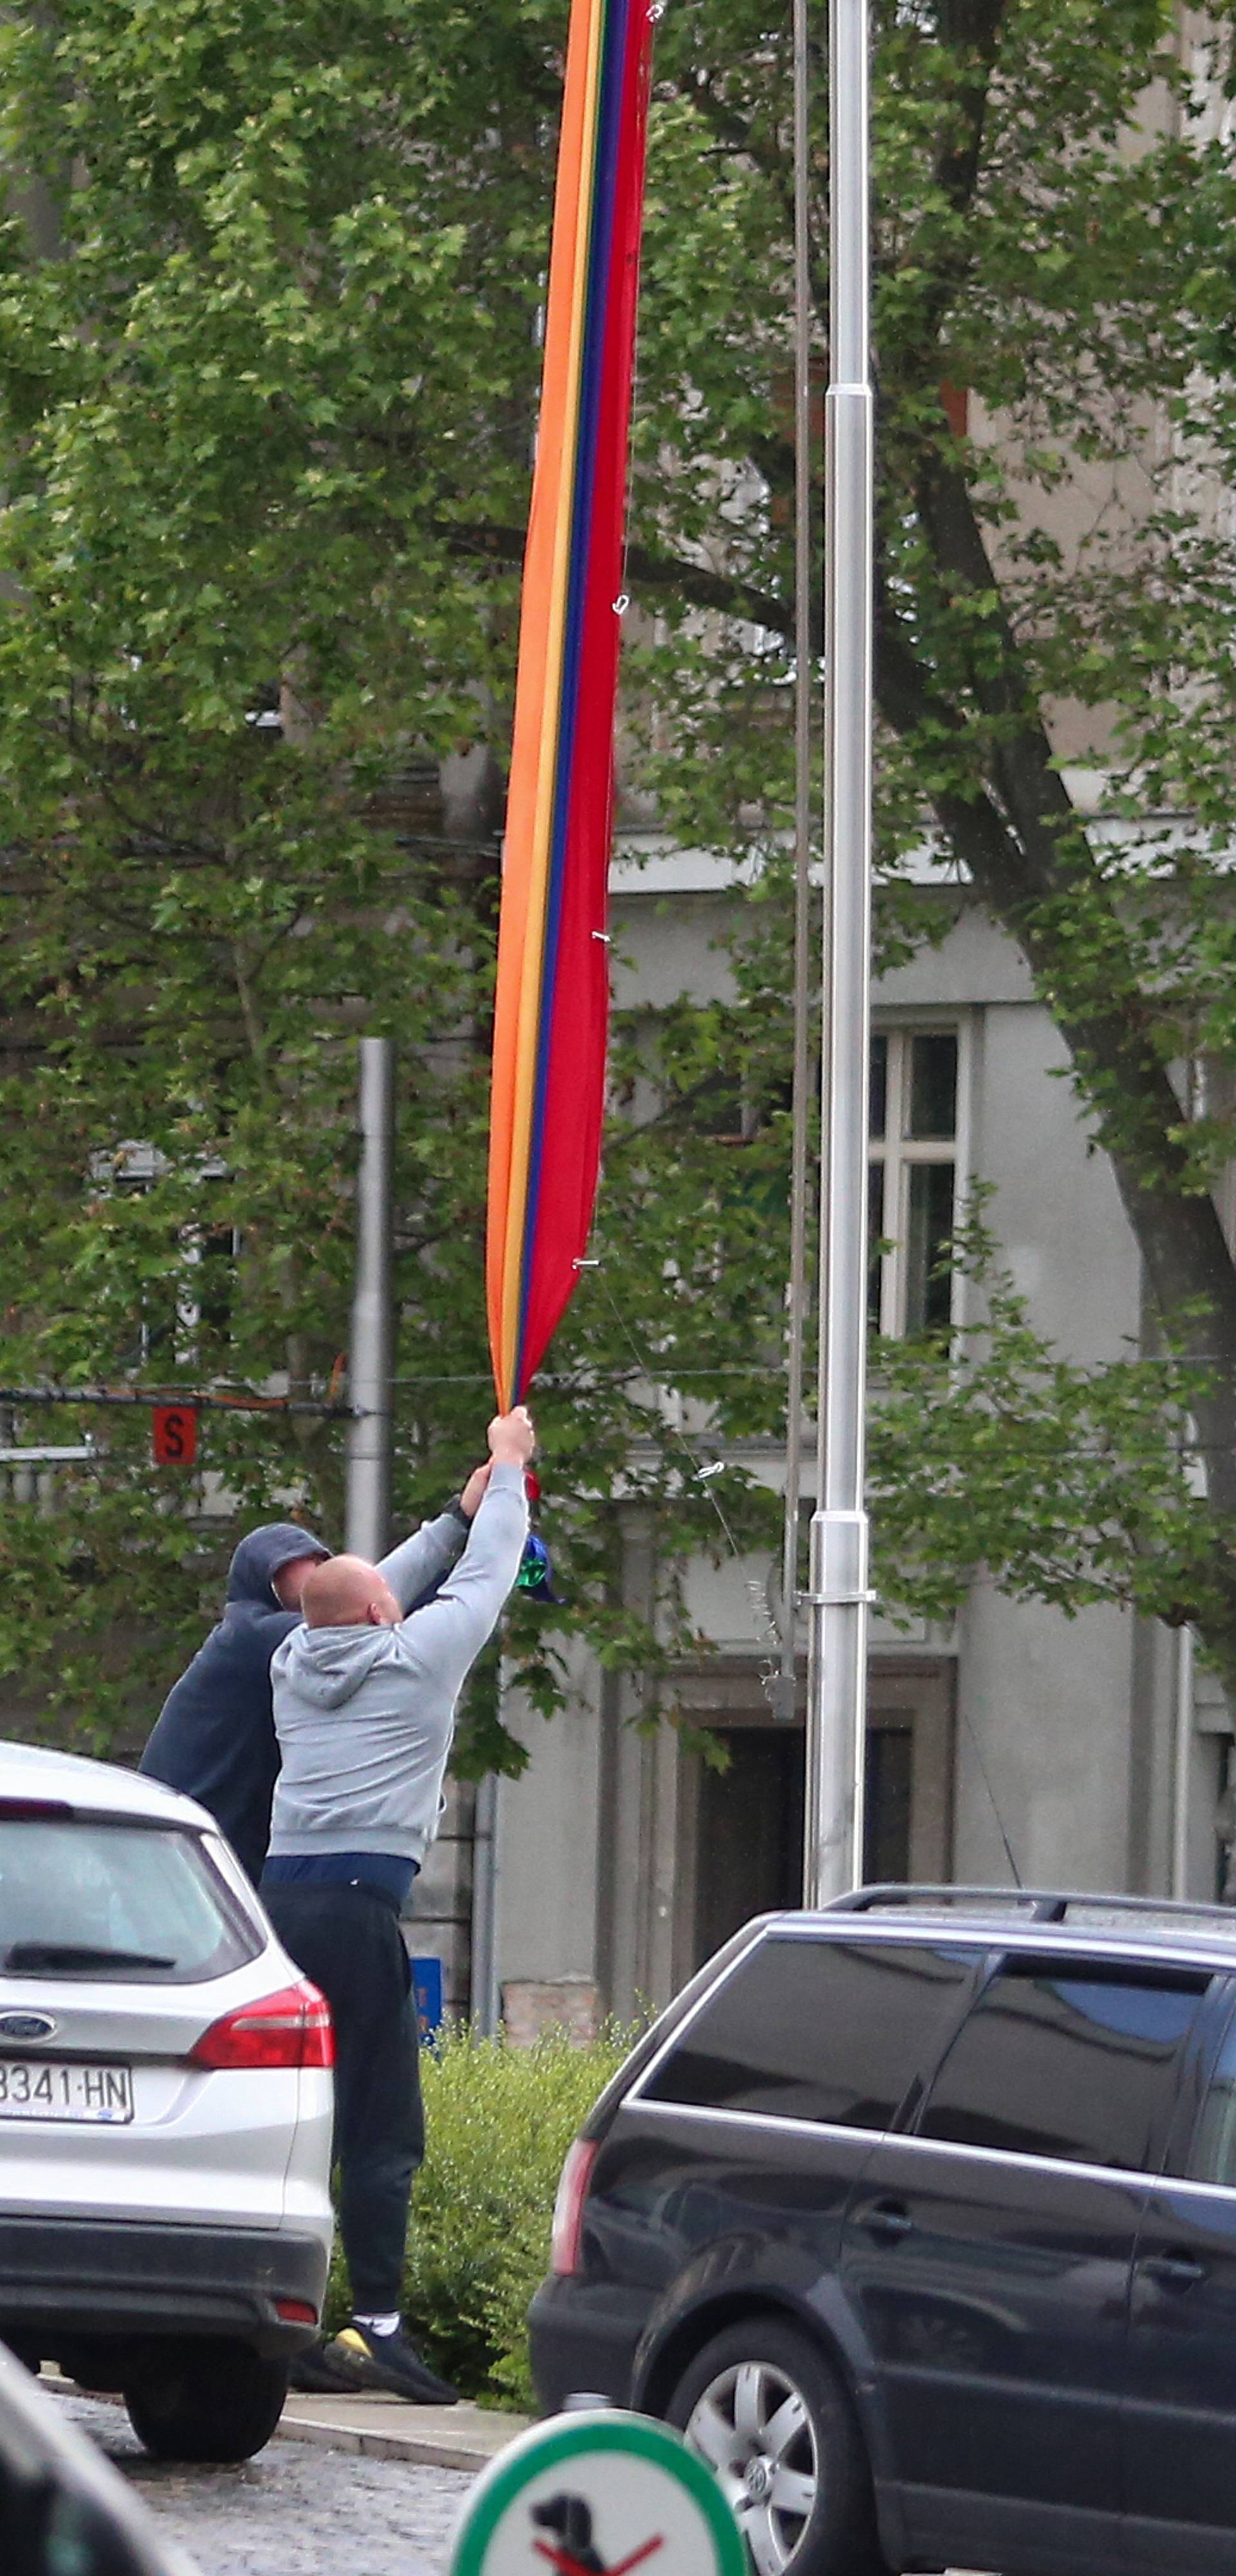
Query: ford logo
[(26, 2025)]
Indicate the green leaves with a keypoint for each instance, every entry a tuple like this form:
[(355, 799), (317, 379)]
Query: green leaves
[(269, 352), (1057, 1482)]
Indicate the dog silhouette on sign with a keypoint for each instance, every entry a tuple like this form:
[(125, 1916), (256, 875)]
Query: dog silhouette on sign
[(570, 2516)]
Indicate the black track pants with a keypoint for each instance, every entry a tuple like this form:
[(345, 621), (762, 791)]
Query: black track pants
[(348, 1940)]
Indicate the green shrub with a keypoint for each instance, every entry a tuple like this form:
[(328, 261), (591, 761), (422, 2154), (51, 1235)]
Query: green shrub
[(498, 2123)]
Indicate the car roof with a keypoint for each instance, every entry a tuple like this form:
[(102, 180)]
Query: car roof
[(95, 1788), (1073, 1923)]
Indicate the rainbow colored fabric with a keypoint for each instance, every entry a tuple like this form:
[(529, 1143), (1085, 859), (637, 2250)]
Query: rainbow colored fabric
[(552, 1001)]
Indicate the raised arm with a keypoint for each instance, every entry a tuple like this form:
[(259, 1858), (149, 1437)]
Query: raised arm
[(447, 1635), (423, 1559)]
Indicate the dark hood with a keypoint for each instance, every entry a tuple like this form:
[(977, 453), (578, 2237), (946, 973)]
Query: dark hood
[(259, 1557)]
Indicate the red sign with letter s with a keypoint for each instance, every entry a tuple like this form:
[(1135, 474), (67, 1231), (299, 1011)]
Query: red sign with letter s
[(173, 1435)]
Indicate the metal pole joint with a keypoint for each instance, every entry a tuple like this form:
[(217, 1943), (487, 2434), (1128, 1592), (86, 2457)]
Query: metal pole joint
[(840, 1547)]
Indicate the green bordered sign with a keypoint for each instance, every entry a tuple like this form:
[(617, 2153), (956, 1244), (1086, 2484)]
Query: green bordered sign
[(597, 2494)]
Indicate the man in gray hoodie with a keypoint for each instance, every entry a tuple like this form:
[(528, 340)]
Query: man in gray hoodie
[(364, 1701)]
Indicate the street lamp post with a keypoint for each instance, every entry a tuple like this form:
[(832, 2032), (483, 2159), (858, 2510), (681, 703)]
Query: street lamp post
[(838, 1595), (368, 1506)]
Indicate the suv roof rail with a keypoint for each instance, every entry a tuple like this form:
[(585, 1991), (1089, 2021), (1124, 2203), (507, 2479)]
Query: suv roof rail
[(1038, 1904)]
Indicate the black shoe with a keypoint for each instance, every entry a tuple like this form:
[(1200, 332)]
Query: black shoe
[(361, 2359), (312, 2374)]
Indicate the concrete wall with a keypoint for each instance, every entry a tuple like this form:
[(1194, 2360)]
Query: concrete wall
[(548, 1826)]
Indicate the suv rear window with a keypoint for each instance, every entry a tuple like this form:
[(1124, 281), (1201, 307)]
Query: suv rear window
[(1067, 2059), (819, 2030), (82, 1897)]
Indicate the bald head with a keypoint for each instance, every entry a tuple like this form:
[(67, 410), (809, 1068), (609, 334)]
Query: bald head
[(346, 1592)]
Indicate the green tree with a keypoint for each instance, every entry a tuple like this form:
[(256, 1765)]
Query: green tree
[(268, 361), (1054, 203)]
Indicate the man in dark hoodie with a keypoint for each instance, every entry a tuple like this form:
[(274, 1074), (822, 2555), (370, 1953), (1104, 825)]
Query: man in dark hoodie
[(215, 1735)]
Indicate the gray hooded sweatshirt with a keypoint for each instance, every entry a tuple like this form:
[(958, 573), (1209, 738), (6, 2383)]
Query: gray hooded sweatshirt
[(365, 1716)]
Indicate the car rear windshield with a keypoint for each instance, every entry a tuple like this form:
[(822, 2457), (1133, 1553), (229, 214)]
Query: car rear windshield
[(83, 1897), (817, 2030)]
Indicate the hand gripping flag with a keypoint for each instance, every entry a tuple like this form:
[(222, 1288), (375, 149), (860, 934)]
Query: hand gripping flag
[(552, 999)]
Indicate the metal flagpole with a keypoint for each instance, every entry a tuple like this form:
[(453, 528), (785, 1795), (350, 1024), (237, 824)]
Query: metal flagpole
[(368, 1509), (837, 1654), (785, 1696)]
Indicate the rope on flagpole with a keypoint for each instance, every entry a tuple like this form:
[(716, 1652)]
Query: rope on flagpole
[(704, 1474), (623, 600)]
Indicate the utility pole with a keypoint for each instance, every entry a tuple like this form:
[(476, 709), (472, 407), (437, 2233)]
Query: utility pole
[(486, 1994), (368, 1512), (837, 1650)]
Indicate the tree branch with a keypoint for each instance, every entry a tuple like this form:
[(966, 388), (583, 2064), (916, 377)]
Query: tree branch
[(693, 582)]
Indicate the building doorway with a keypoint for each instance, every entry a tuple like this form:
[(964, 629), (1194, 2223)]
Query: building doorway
[(742, 1826)]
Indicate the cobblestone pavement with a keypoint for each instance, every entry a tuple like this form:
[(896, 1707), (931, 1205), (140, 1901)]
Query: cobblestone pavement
[(297, 2510)]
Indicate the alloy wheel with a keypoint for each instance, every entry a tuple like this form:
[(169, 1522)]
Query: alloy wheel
[(754, 2428)]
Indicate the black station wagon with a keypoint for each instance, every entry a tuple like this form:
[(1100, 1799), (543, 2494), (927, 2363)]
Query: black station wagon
[(918, 2215)]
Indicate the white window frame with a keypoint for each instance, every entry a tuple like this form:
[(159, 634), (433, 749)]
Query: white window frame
[(898, 1152), (132, 1168)]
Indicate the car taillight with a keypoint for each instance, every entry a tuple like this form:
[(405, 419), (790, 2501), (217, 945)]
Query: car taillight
[(291, 2028), (569, 2206)]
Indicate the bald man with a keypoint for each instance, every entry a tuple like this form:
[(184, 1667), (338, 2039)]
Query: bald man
[(364, 1699)]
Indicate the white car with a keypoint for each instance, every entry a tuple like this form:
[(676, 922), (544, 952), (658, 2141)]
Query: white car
[(165, 2110)]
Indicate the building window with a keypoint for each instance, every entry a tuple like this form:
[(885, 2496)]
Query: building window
[(186, 1275), (207, 1300), (912, 1179)]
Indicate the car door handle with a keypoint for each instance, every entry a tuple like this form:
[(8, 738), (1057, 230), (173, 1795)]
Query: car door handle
[(887, 2218), (1175, 2271)]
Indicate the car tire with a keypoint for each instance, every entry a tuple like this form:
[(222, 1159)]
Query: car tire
[(764, 2408), (206, 2401)]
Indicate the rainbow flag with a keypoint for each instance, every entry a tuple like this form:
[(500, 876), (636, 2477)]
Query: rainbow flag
[(552, 1001)]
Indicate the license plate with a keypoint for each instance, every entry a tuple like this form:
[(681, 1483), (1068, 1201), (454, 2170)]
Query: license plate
[(37, 2088)]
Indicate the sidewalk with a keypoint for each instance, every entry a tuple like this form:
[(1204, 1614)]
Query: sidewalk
[(383, 2428), (387, 2428)]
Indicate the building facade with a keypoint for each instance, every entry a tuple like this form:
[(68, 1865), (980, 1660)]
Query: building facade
[(1090, 1751)]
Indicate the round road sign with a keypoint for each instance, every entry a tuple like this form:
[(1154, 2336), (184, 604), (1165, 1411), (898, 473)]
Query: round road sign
[(597, 2494)]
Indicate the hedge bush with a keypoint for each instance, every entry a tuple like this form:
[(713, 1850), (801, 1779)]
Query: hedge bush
[(498, 2123)]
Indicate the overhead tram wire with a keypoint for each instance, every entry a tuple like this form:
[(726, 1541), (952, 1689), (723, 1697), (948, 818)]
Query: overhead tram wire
[(157, 1397)]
